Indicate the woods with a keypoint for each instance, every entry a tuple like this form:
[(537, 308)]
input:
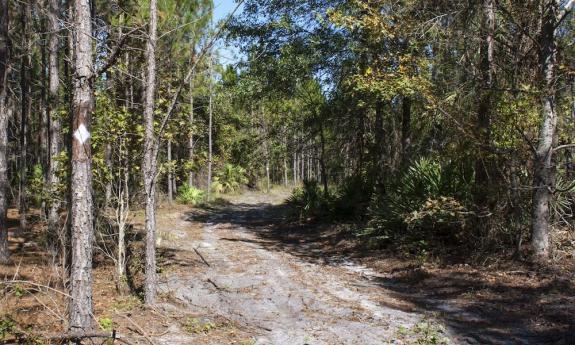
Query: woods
[(438, 130)]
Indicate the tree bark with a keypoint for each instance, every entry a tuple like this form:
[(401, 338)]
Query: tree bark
[(4, 116), (109, 164), (150, 158), (405, 131), (210, 119), (544, 171), (322, 161), (380, 146), (81, 213), (191, 119), (54, 130), (24, 114), (294, 168), (42, 150), (170, 174), (484, 108)]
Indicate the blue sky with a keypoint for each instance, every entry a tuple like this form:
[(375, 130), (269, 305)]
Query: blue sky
[(222, 8)]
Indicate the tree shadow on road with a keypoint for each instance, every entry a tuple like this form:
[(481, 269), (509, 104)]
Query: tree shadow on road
[(479, 305)]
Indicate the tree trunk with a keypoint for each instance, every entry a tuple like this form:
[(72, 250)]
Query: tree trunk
[(24, 111), (544, 171), (4, 116), (405, 131), (54, 130), (81, 213), (482, 164), (109, 164), (380, 146), (170, 182), (191, 119), (294, 168), (150, 164), (285, 172), (123, 210), (322, 161), (210, 119), (42, 150)]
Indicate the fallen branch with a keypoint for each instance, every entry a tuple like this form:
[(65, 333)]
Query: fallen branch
[(70, 336), (139, 329), (214, 284), (202, 257)]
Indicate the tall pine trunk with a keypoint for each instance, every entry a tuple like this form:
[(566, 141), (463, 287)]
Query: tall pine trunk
[(544, 171), (81, 213), (149, 168), (210, 120), (191, 119), (4, 115), (24, 111), (484, 106), (170, 173), (55, 235)]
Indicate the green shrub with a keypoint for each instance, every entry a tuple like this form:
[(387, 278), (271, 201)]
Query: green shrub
[(190, 196), (427, 198), (309, 200), (352, 198), (106, 323), (229, 179)]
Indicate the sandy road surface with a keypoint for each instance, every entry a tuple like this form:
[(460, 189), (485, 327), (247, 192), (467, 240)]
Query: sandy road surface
[(280, 298)]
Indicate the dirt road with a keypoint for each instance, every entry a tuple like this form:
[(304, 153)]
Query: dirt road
[(227, 270)]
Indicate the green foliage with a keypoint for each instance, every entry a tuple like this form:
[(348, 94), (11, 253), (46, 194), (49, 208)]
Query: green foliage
[(426, 332), (229, 179), (195, 325), (190, 196), (7, 325), (127, 303), (352, 198), (36, 185), (426, 198), (309, 200), (106, 323)]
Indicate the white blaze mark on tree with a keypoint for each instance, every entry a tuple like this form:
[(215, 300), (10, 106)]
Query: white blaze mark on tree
[(82, 134)]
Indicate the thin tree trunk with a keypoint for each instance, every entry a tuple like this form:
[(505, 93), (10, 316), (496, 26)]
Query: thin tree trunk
[(54, 130), (170, 182), (380, 146), (24, 111), (4, 116), (109, 164), (43, 131), (286, 179), (322, 161), (150, 164), (81, 213), (294, 168), (210, 119), (122, 216), (483, 164), (544, 171), (405, 131), (191, 119)]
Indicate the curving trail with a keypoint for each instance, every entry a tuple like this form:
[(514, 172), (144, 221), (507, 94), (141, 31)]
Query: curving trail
[(278, 297)]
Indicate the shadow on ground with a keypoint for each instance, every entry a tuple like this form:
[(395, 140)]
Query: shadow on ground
[(479, 306)]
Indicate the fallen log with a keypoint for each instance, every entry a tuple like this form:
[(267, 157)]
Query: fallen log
[(62, 337)]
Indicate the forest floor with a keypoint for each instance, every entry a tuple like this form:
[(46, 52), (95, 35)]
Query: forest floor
[(241, 272)]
